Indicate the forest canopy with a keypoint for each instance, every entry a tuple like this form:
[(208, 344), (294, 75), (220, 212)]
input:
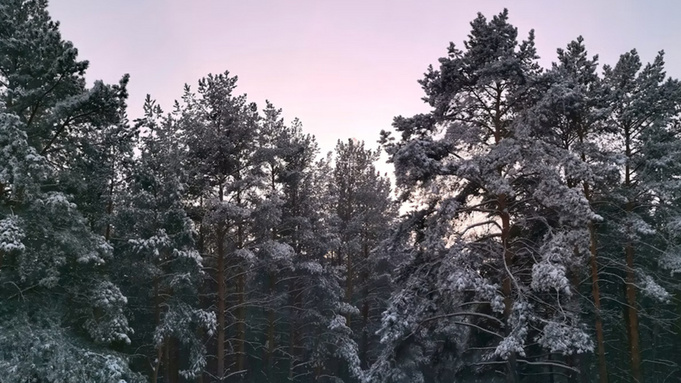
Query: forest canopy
[(529, 232)]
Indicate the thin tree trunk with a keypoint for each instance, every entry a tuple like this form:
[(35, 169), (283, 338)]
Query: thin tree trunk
[(109, 206), (271, 283), (595, 292), (677, 296), (157, 317), (2, 196), (293, 331), (172, 359), (595, 288), (293, 291), (269, 351), (573, 360), (222, 296), (317, 372), (157, 366), (507, 288), (166, 361), (507, 255), (632, 316), (349, 288), (200, 247), (200, 335), (632, 308), (221, 305), (241, 311), (364, 344), (241, 321)]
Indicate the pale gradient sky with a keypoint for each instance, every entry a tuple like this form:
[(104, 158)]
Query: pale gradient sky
[(345, 68)]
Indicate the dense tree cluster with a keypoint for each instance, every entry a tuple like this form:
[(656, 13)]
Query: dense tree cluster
[(533, 236)]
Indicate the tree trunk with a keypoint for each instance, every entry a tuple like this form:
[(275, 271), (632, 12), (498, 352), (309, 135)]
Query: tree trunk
[(595, 292), (157, 366), (241, 311), (109, 206), (201, 248), (349, 288), (174, 361), (632, 309), (575, 360), (166, 360), (677, 297), (170, 361), (507, 288), (271, 286), (221, 305), (2, 196), (364, 344), (507, 255), (269, 352), (200, 335), (159, 348), (632, 316), (294, 292)]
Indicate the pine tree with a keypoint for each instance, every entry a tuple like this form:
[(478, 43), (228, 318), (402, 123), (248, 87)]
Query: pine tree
[(60, 311), (321, 345), (494, 230), (158, 262), (284, 229), (644, 104), (363, 215), (220, 133), (573, 109)]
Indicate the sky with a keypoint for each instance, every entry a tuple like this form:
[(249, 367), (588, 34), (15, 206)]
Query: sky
[(345, 68)]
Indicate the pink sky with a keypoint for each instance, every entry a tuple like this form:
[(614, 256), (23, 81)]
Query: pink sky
[(345, 68)]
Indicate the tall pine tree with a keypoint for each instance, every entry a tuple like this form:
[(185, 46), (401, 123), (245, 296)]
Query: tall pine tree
[(494, 229), (60, 310)]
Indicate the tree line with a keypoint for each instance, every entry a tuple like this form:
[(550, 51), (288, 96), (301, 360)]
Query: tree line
[(531, 235)]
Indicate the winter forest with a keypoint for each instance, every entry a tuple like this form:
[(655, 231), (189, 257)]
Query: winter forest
[(530, 232)]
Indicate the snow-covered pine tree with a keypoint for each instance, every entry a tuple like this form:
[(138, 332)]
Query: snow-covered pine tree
[(276, 144), (319, 345), (157, 262), (60, 311), (494, 229), (220, 132), (304, 230), (573, 110), (321, 338), (662, 323), (362, 220), (644, 106)]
